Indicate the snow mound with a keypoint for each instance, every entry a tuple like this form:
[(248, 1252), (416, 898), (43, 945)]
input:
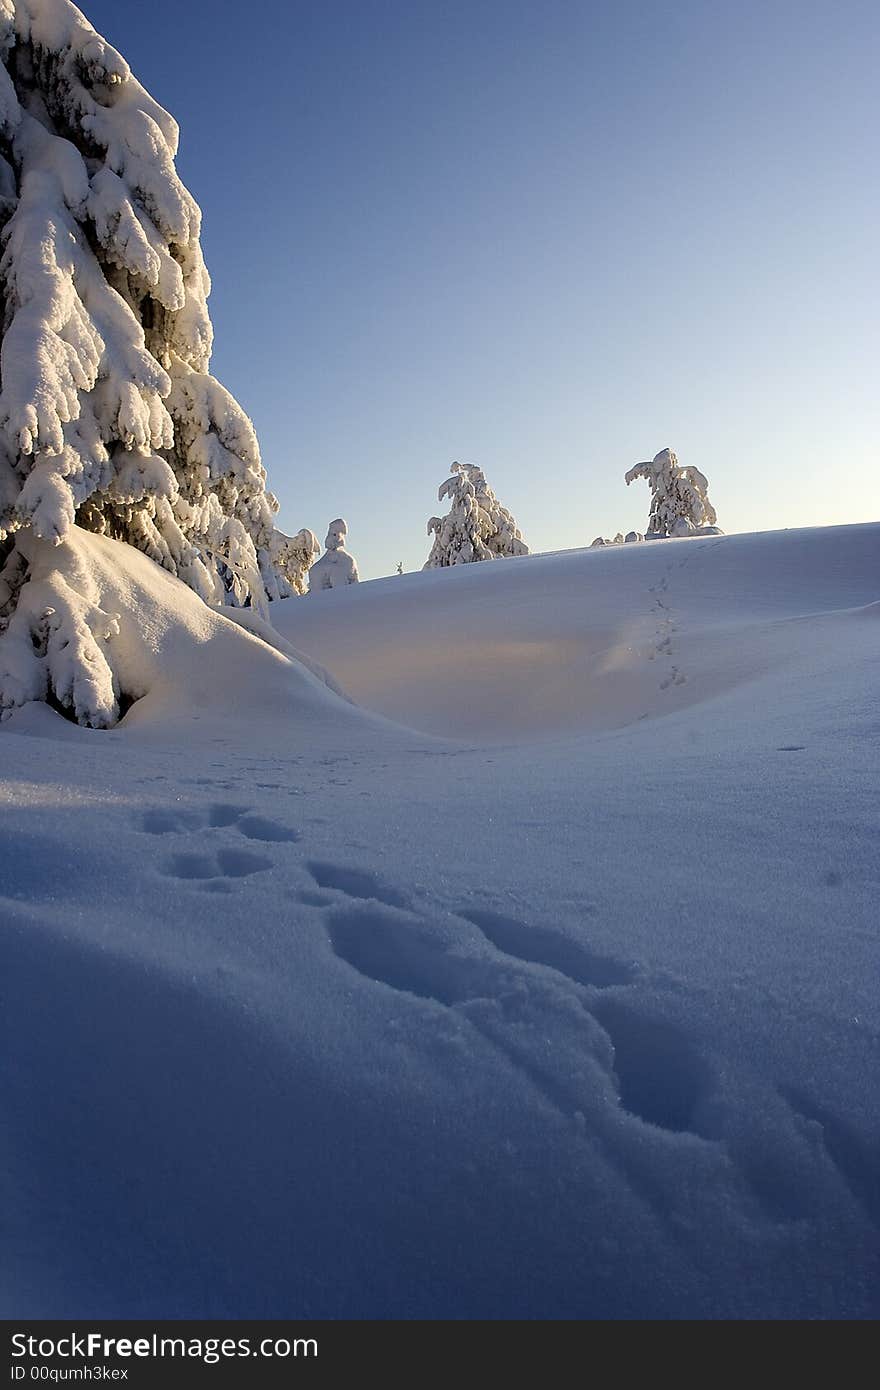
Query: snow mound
[(176, 660), (593, 639)]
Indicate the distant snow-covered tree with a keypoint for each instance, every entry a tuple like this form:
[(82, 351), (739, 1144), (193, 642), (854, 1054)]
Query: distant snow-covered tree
[(618, 539), (336, 568), (109, 417), (292, 557), (679, 497), (477, 526)]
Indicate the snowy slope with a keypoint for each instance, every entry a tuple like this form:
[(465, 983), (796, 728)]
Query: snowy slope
[(563, 1006), (566, 642)]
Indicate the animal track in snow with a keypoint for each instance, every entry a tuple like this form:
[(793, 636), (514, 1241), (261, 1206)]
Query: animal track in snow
[(666, 627), (502, 990), (675, 677), (262, 828), (543, 946), (506, 1002), (566, 1020), (225, 863), (661, 1075), (402, 952), (169, 820), (160, 821), (355, 883), (204, 862)]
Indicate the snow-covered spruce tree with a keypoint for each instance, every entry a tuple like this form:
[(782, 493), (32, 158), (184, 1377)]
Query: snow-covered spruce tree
[(477, 526), (679, 501), (109, 419)]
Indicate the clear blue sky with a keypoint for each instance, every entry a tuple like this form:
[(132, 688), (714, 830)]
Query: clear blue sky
[(549, 238)]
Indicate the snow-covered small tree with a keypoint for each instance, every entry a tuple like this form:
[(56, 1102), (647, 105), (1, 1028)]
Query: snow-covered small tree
[(292, 557), (477, 526), (109, 418), (336, 568), (679, 501)]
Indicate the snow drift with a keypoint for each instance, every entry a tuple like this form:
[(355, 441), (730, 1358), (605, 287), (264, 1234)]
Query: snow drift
[(144, 639), (592, 639), (310, 1015)]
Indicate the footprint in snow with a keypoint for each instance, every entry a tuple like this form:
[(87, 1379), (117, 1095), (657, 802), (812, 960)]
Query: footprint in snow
[(566, 1018), (543, 946), (355, 883), (660, 1074), (225, 863), (262, 828), (228, 861), (164, 820), (519, 985), (512, 1007), (675, 677)]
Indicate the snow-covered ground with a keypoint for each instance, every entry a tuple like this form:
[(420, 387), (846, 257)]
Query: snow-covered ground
[(539, 982)]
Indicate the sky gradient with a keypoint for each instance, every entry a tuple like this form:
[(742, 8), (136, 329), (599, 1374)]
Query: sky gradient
[(547, 238)]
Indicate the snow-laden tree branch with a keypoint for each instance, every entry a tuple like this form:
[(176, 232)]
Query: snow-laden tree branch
[(109, 418)]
